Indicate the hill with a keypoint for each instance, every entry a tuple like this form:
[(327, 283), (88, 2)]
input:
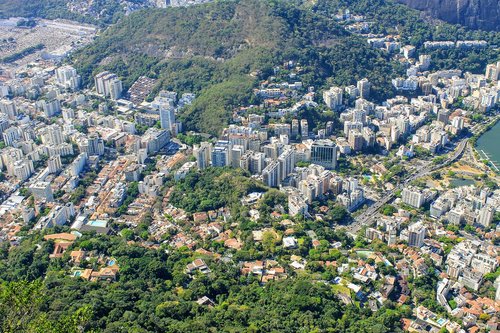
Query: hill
[(212, 49)]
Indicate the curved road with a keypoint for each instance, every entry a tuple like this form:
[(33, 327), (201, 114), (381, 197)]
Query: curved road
[(366, 217)]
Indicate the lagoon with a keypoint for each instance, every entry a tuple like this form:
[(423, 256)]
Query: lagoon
[(489, 145)]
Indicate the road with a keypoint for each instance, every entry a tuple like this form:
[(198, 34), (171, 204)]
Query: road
[(366, 218)]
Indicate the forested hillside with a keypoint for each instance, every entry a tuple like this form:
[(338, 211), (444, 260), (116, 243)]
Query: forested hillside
[(154, 294), (213, 49)]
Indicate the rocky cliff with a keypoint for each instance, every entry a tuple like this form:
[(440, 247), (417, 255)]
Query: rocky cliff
[(476, 14)]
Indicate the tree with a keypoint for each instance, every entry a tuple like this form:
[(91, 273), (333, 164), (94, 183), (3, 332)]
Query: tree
[(388, 210), (20, 310)]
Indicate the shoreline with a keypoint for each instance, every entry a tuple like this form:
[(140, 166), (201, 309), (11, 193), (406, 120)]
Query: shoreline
[(482, 155)]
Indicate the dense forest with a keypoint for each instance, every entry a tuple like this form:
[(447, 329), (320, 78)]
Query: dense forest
[(153, 293), (213, 188)]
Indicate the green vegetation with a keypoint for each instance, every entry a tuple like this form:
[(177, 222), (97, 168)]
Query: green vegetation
[(153, 294), (21, 310), (388, 210), (26, 23), (190, 139), (213, 188), (23, 53), (130, 195), (226, 41)]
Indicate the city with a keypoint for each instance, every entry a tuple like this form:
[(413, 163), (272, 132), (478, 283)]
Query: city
[(385, 204)]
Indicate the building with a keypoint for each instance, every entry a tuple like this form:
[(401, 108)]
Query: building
[(492, 72), (93, 145), (286, 162), (54, 164), (220, 154), (364, 88), (11, 135), (484, 263), (235, 154), (295, 128), (356, 140), (297, 205), (52, 135), (324, 153), (413, 197), (68, 78), (271, 174), (167, 118), (333, 98), (115, 88), (58, 215), (471, 279), (42, 191), (78, 164), (416, 235), (304, 128), (8, 108), (154, 140), (51, 107), (22, 169), (372, 234), (108, 84), (203, 154), (486, 215)]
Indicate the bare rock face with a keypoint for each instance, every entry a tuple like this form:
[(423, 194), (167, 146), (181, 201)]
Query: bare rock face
[(476, 14)]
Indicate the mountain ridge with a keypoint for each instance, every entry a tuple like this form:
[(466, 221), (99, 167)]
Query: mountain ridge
[(475, 14)]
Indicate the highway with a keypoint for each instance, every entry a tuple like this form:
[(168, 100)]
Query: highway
[(366, 218)]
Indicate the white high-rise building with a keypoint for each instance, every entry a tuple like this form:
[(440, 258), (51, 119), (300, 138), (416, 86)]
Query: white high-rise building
[(236, 153), (364, 87), (304, 128), (54, 164), (203, 154), (485, 216), (68, 77), (416, 234), (52, 135), (324, 153), (286, 162), (11, 135), (413, 197), (271, 174), (492, 72), (115, 88), (167, 117), (51, 107), (42, 191), (9, 108), (78, 164), (108, 84), (22, 169), (333, 98), (257, 163), (221, 154)]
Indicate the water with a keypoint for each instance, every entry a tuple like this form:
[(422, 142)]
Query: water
[(489, 145), (457, 182)]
